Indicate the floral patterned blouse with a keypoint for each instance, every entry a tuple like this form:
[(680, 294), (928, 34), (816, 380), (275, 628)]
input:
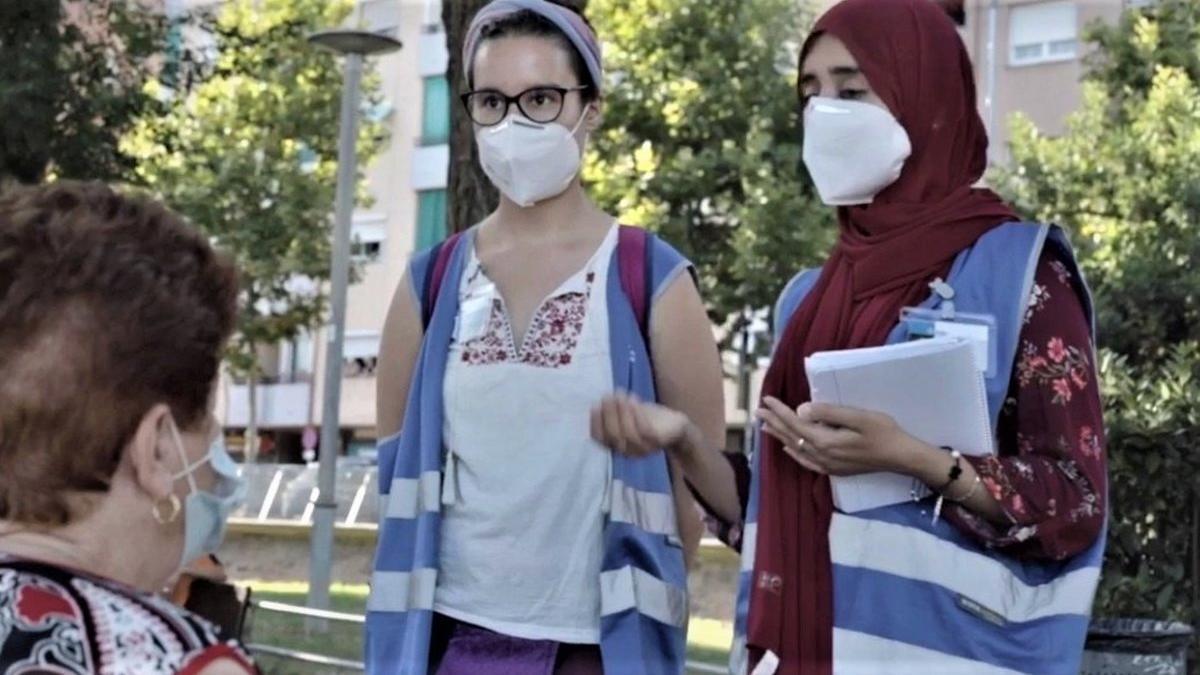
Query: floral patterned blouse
[(1049, 476), (53, 620)]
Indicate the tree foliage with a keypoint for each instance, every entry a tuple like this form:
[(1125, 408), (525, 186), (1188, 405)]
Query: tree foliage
[(701, 139), (249, 155), (71, 84), (1123, 179)]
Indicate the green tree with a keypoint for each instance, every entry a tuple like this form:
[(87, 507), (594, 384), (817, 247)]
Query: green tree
[(72, 83), (249, 155), (1123, 179), (701, 140)]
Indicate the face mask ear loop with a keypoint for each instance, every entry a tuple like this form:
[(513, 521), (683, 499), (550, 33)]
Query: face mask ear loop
[(187, 469), (582, 117)]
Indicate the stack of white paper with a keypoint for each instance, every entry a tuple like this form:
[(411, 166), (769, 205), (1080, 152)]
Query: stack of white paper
[(932, 388)]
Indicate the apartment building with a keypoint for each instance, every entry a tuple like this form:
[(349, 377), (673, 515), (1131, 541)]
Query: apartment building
[(407, 184)]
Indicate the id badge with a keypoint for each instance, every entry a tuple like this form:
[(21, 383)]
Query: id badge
[(474, 314), (977, 329)]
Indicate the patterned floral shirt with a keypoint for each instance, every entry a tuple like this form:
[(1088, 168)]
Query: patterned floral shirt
[(1049, 476), (57, 621)]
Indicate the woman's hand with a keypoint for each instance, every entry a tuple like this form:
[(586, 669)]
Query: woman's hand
[(842, 441), (632, 427)]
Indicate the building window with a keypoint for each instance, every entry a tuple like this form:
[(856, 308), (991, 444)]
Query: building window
[(433, 15), (435, 120), (296, 359), (367, 235), (1043, 33), (431, 218), (360, 354), (366, 251)]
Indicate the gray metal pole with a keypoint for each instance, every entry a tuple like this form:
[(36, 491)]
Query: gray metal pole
[(326, 505), (745, 378), (990, 99)]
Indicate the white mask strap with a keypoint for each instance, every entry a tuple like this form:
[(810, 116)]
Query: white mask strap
[(582, 117), (188, 469)]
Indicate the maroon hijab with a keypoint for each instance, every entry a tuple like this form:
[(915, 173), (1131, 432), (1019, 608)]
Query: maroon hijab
[(886, 255)]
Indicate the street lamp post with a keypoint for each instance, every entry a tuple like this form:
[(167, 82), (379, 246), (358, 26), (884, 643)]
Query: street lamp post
[(355, 46)]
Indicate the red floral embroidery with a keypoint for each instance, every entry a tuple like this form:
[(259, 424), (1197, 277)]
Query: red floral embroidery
[(492, 346), (553, 334)]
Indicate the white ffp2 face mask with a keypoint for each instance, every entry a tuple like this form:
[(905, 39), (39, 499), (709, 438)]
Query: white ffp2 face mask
[(527, 161), (853, 150)]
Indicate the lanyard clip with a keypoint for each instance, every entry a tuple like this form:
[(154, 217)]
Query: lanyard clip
[(946, 292)]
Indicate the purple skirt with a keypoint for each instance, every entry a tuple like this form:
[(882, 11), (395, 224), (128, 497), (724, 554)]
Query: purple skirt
[(470, 650)]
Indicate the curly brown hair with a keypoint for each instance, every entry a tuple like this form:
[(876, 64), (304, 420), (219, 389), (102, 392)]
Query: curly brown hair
[(109, 304)]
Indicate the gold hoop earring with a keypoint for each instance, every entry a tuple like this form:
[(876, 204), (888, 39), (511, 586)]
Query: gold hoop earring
[(176, 507)]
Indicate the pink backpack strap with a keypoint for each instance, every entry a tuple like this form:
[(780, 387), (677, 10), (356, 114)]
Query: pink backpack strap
[(436, 273), (634, 261)]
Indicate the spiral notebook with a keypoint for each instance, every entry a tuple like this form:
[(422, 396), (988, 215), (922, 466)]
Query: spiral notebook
[(932, 388)]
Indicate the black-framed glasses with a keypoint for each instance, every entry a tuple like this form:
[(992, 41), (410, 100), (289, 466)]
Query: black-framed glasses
[(488, 107)]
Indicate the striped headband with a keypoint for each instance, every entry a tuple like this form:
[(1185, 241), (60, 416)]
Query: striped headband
[(571, 24)]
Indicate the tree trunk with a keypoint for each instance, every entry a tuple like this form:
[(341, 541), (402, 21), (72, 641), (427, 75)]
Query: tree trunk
[(471, 195), (251, 451)]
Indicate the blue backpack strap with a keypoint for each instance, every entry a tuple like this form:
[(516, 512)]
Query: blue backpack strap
[(792, 296)]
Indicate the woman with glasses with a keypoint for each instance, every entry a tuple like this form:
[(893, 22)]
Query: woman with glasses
[(511, 541)]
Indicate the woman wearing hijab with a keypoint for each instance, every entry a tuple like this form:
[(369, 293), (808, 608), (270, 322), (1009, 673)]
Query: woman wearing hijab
[(1003, 581), (512, 542)]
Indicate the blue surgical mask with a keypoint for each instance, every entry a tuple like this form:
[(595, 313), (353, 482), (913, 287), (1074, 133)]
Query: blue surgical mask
[(205, 513)]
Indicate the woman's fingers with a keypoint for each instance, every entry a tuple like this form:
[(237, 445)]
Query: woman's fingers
[(596, 425), (654, 425), (628, 414), (833, 415), (784, 419), (795, 446), (774, 426), (618, 423), (612, 425), (805, 460)]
